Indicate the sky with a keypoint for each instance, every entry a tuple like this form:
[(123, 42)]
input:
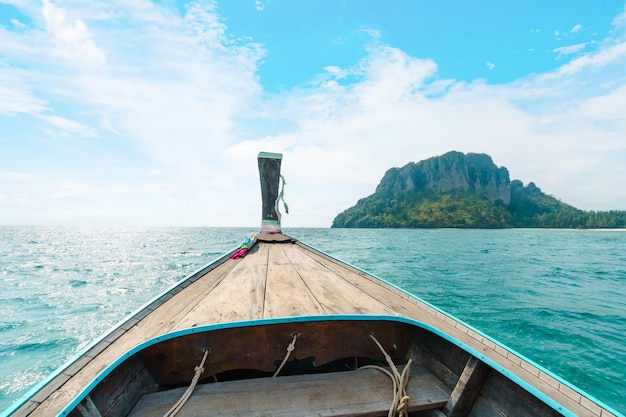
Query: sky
[(152, 113)]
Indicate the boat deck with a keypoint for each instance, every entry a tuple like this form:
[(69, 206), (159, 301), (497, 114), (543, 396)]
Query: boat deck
[(282, 279)]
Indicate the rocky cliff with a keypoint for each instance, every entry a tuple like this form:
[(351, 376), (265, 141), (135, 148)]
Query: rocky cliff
[(453, 171)]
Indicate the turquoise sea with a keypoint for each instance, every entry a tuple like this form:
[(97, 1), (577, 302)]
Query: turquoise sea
[(557, 297)]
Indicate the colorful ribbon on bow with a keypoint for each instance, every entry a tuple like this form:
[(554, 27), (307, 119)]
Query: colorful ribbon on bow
[(248, 242)]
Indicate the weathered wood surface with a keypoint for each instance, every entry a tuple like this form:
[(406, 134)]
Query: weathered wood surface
[(466, 390), (365, 392), (287, 292), (287, 279)]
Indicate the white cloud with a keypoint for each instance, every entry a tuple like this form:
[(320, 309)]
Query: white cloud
[(335, 71), (171, 95), (15, 96), (491, 66), (606, 107), (571, 49), (576, 28), (18, 24), (174, 89), (601, 58), (73, 39), (619, 22), (70, 125)]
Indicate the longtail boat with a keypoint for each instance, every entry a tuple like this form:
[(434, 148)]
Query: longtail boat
[(278, 328)]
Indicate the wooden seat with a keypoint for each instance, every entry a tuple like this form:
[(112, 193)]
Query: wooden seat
[(365, 392)]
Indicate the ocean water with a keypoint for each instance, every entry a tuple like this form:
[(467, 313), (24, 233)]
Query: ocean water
[(557, 297)]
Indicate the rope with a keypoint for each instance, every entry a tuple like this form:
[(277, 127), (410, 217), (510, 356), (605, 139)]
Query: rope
[(399, 406), (281, 196), (182, 400), (290, 347)]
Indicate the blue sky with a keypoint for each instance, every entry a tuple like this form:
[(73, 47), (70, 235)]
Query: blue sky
[(152, 113)]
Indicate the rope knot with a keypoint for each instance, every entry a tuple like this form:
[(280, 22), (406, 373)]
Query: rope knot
[(399, 406), (290, 348), (182, 400), (403, 404)]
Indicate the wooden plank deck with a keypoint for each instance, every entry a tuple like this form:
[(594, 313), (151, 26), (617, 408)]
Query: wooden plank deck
[(280, 280), (366, 392)]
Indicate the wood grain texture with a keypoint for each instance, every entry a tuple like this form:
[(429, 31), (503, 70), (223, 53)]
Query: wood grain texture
[(366, 392), (287, 293), (335, 294)]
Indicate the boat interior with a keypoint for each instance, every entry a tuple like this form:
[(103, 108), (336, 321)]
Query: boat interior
[(330, 366)]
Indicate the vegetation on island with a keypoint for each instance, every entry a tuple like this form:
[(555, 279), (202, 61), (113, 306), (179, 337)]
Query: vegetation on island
[(474, 197)]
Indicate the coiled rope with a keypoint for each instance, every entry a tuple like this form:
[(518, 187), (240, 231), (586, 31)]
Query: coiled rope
[(183, 399), (290, 347), (399, 406)]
